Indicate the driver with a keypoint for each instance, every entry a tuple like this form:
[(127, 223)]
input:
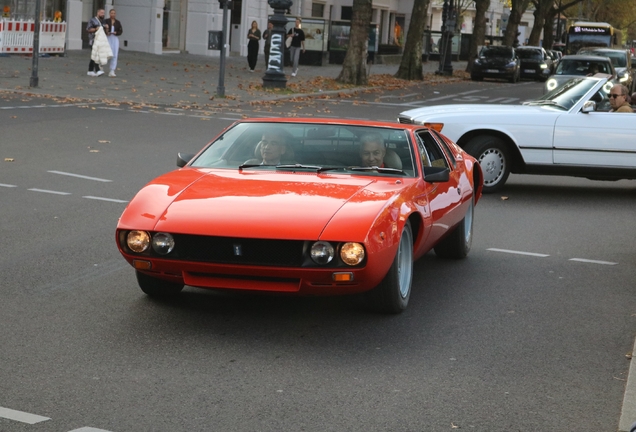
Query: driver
[(272, 147), (618, 99)]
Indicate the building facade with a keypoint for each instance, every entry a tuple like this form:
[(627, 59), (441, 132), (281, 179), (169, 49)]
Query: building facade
[(161, 26)]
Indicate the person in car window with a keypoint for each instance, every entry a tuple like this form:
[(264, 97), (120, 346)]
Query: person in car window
[(618, 99), (372, 150), (272, 147)]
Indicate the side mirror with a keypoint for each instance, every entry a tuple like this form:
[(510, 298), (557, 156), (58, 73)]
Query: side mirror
[(183, 159), (588, 107), (436, 174)]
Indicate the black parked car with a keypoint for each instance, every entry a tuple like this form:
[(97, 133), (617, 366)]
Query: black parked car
[(535, 62), (496, 62)]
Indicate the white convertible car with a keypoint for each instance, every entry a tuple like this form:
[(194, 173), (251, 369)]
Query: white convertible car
[(568, 131)]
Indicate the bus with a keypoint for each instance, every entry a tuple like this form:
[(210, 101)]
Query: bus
[(591, 34)]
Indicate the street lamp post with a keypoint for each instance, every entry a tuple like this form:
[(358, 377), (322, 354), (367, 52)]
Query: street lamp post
[(220, 89), (274, 76), (33, 81), (449, 19)]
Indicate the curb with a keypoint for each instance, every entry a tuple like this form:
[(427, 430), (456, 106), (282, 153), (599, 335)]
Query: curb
[(628, 411)]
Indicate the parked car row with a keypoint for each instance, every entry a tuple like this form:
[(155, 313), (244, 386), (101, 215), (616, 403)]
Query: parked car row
[(512, 64)]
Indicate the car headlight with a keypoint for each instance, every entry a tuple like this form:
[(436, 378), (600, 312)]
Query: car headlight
[(622, 77), (322, 252), (551, 84), (543, 66), (511, 65), (352, 253), (607, 88), (477, 61), (163, 243), (138, 241)]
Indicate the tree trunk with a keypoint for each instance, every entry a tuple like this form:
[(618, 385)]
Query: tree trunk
[(411, 64), (510, 35), (537, 27), (479, 31), (544, 12), (548, 29), (354, 67)]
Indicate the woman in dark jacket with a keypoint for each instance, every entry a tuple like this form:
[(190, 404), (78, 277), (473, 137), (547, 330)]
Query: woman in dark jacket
[(253, 36)]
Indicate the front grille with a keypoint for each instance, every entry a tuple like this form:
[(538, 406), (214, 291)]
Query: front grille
[(405, 120), (227, 250)]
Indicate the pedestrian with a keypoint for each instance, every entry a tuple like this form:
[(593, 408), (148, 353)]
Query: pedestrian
[(267, 37), (92, 26), (297, 43), (114, 29), (253, 36)]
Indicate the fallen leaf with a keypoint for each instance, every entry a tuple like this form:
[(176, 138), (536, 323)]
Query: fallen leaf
[(628, 356), (504, 198), (93, 151), (9, 160), (103, 141)]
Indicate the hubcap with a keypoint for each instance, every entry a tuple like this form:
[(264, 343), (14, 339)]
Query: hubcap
[(405, 263), (492, 163)]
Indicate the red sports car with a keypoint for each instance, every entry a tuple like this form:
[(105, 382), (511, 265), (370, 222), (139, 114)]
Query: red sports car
[(306, 206)]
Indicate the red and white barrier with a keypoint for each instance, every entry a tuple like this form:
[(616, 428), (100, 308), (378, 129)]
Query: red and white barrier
[(16, 37)]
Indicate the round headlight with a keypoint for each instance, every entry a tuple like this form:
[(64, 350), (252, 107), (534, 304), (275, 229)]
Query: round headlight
[(163, 243), (551, 84), (322, 252), (352, 253), (138, 241)]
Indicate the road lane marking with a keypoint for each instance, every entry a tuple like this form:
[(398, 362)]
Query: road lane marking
[(80, 176), (7, 185), (518, 252), (21, 416), (104, 199), (49, 191), (593, 261), (89, 429)]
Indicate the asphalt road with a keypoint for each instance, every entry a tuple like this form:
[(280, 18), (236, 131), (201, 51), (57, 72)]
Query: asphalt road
[(529, 333)]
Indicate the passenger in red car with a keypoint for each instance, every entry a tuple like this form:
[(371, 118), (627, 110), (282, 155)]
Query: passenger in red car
[(372, 150), (271, 147)]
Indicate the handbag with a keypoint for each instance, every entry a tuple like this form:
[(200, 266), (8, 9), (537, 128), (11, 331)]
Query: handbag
[(288, 41)]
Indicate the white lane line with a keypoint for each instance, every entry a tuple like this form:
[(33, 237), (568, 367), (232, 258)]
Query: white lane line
[(21, 416), (49, 191), (104, 199), (593, 261), (80, 176), (518, 252), (7, 185), (89, 429)]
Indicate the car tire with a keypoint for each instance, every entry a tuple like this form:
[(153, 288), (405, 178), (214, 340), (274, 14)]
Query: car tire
[(155, 287), (393, 293), (494, 158), (457, 244)]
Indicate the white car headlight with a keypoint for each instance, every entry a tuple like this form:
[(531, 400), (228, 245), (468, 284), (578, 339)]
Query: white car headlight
[(163, 243), (551, 84), (138, 241), (322, 252), (352, 253), (543, 66)]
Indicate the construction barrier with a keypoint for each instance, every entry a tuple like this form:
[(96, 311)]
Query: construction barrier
[(16, 37)]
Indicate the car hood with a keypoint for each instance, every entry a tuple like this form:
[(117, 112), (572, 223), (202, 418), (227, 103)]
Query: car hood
[(476, 112), (255, 203), (495, 61)]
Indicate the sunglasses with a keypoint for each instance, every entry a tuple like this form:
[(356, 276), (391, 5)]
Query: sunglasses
[(614, 95)]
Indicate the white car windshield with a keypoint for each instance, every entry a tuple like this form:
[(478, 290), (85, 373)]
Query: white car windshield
[(566, 95)]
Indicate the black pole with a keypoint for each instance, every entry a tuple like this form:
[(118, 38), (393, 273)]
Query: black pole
[(33, 82), (274, 75), (220, 90)]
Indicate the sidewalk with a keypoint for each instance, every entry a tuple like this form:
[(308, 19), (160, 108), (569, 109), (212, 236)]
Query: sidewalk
[(180, 80)]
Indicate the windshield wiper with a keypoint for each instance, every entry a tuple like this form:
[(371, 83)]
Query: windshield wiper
[(378, 169), (545, 102), (318, 168)]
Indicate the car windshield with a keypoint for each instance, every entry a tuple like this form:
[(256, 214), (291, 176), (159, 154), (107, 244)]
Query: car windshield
[(618, 58), (566, 95), (311, 147), (530, 54), (582, 67), (493, 52)]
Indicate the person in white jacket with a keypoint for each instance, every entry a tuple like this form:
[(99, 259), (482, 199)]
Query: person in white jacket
[(93, 24)]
